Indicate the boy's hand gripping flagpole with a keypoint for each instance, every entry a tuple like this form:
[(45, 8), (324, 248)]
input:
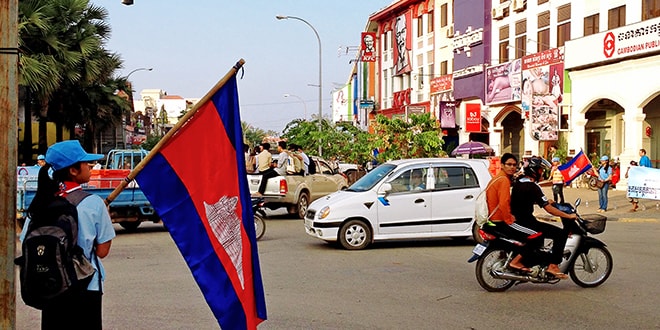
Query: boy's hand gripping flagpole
[(131, 176)]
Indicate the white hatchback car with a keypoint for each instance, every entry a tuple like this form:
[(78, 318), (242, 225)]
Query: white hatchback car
[(402, 199)]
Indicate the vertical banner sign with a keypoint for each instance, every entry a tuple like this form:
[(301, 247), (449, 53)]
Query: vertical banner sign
[(342, 105), (447, 114), (402, 38), (543, 78), (473, 117), (368, 48)]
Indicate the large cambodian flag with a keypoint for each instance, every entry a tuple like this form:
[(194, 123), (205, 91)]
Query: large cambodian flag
[(578, 165), (198, 185)]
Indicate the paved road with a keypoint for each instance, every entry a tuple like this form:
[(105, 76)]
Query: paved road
[(403, 285)]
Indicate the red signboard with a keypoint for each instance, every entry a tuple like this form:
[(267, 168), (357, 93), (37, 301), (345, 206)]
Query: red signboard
[(368, 47), (473, 117), (442, 83)]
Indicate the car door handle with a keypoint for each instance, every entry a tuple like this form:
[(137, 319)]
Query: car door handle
[(469, 197), (419, 200)]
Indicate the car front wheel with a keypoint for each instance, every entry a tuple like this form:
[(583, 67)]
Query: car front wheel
[(355, 235)]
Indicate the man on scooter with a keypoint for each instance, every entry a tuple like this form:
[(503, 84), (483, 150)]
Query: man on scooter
[(525, 193)]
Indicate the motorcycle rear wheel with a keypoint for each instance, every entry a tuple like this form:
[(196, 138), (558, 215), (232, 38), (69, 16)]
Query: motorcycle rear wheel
[(592, 183), (492, 259), (591, 268), (259, 226)]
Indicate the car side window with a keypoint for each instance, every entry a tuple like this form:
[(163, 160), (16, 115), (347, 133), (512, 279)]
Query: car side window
[(324, 168), (409, 180)]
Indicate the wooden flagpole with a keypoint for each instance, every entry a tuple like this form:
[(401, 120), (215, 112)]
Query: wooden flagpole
[(168, 136)]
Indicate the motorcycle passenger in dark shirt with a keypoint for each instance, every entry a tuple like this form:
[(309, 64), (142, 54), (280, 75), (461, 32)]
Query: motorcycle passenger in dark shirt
[(525, 194)]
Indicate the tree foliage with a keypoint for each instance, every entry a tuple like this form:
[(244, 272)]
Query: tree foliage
[(417, 137)]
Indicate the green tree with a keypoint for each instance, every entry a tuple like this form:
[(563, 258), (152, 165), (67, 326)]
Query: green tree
[(417, 137), (252, 135)]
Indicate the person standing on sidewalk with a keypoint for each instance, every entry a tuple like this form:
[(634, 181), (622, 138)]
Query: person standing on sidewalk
[(633, 201), (644, 160), (557, 181), (604, 176)]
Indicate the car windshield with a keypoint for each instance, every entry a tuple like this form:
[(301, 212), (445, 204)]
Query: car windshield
[(369, 181)]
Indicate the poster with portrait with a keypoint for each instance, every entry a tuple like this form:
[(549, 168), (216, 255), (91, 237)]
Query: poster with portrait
[(447, 114), (403, 43), (503, 83), (542, 92), (368, 48), (342, 105)]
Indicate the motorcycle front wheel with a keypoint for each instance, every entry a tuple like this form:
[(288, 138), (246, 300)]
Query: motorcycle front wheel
[(492, 259), (592, 183), (591, 268), (259, 226)]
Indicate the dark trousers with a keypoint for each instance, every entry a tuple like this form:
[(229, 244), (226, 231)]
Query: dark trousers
[(74, 310), (265, 175), (558, 192), (556, 234)]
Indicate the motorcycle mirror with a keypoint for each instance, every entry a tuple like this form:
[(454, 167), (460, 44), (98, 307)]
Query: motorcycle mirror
[(577, 201)]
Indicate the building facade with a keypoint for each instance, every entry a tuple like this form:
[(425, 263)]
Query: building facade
[(522, 75)]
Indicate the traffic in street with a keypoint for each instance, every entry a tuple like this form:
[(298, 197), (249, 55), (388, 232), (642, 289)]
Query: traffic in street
[(310, 284)]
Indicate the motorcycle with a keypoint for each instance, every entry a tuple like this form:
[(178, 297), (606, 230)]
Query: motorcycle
[(586, 259), (258, 209), (591, 178)]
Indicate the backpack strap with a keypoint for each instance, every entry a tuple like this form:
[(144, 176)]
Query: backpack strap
[(77, 196), (486, 192)]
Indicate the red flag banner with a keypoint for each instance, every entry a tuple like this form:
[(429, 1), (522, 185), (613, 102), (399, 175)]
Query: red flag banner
[(578, 165), (197, 184), (472, 117)]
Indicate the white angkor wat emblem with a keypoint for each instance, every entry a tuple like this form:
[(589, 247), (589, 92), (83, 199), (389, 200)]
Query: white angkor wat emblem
[(226, 226)]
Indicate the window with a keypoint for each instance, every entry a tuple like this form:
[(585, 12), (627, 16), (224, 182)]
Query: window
[(521, 46), (504, 44), (563, 24), (650, 9), (420, 26), (543, 1), (454, 177), (410, 180), (504, 52), (616, 17), (543, 40), (443, 15), (563, 33), (443, 68), (591, 25), (429, 22)]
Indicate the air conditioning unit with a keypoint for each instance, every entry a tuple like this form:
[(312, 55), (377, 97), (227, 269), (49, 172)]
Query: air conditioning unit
[(450, 31), (519, 5), (498, 13)]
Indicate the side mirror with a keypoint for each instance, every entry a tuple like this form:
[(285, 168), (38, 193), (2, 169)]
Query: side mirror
[(384, 189), (578, 201)]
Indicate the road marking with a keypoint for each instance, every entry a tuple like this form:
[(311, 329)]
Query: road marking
[(637, 220)]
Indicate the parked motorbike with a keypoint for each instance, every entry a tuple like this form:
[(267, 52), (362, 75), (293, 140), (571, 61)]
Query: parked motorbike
[(586, 259), (259, 211), (592, 179)]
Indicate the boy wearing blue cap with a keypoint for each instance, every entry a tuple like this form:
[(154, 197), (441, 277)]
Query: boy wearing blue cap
[(41, 160), (70, 168), (557, 181)]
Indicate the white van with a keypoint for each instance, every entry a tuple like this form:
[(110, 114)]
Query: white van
[(402, 199)]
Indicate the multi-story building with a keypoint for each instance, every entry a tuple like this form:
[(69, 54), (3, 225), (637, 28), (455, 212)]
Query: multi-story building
[(521, 75)]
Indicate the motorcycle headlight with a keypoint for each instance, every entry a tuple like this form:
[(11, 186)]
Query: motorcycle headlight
[(324, 212)]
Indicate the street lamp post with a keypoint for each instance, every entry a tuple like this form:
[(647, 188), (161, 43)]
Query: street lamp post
[(301, 100), (281, 17), (130, 99)]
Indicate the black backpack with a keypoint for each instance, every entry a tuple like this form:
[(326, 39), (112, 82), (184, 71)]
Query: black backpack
[(311, 168), (51, 256)]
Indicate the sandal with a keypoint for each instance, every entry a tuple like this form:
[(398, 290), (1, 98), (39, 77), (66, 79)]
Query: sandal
[(520, 268), (558, 275)]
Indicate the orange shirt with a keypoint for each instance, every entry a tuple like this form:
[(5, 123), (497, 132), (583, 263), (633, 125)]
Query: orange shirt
[(499, 193)]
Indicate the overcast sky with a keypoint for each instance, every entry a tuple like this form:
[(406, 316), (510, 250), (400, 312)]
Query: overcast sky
[(191, 44)]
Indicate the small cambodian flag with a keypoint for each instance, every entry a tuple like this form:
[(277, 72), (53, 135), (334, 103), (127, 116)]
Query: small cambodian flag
[(578, 165), (197, 183)]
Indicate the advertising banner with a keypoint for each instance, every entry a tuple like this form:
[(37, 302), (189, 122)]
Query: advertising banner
[(447, 114), (342, 104), (403, 41), (542, 82), (368, 48), (503, 82), (644, 182), (473, 117)]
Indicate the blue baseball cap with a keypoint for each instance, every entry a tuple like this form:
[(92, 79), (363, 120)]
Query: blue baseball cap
[(555, 159), (41, 157), (66, 153), (604, 158)]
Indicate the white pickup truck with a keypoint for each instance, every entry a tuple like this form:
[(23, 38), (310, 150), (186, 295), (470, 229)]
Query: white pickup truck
[(296, 192)]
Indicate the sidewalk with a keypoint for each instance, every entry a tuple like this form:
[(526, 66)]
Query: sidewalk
[(618, 205)]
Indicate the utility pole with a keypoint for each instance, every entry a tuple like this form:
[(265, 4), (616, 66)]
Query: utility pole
[(8, 154)]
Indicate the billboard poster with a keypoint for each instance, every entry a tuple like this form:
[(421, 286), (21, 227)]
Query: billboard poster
[(503, 83), (368, 48), (473, 117), (403, 41), (542, 93), (447, 114), (342, 104)]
